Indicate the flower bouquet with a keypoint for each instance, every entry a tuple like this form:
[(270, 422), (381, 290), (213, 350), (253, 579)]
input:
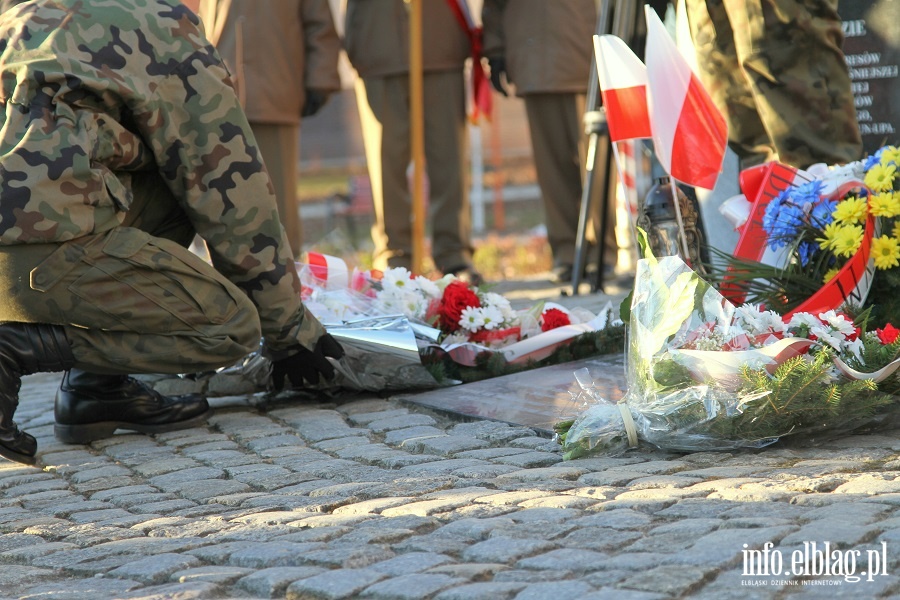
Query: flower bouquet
[(813, 352), (466, 332)]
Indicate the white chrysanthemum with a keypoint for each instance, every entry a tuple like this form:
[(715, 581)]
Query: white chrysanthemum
[(839, 323), (855, 348), (491, 317), (826, 335), (398, 277), (800, 320), (428, 287), (392, 301)]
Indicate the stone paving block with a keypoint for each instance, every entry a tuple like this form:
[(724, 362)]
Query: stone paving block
[(225, 458), (492, 431), (599, 539), (83, 589), (491, 453), (207, 489), (18, 576), (333, 585), (845, 533), (212, 574), (263, 555), (272, 583), (723, 547), (506, 550), (164, 465), (33, 487), (609, 593), (275, 441), (191, 590), (345, 556), (412, 562), (537, 459), (564, 559), (28, 554), (410, 587), (446, 445), (400, 422), (529, 576), (560, 501), (671, 580), (101, 472), (487, 472), (440, 467), (485, 590), (388, 412), (400, 437), (96, 516), (374, 506), (563, 589)]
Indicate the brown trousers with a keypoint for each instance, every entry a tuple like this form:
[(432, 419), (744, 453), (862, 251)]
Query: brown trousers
[(384, 113)]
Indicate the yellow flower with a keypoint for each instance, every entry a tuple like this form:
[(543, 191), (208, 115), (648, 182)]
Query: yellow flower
[(830, 274), (826, 242), (886, 252), (885, 204), (881, 177), (895, 231), (891, 154), (847, 240), (851, 210)]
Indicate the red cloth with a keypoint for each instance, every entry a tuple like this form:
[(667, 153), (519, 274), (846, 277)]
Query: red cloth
[(482, 102)]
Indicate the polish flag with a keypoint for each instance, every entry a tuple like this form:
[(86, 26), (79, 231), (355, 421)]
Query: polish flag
[(623, 86), (689, 132)]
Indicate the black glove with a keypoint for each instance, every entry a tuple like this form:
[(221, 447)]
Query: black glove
[(315, 100), (498, 68), (307, 364)]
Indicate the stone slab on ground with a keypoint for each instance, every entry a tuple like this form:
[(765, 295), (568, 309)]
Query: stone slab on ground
[(537, 398)]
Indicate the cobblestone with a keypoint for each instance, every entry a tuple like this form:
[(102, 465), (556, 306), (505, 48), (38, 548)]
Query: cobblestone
[(371, 499)]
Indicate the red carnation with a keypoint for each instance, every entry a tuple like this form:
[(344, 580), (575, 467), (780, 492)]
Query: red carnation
[(457, 297), (553, 318), (888, 335)]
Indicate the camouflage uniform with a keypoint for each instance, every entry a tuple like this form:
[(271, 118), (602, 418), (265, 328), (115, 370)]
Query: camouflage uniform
[(121, 137), (776, 70)]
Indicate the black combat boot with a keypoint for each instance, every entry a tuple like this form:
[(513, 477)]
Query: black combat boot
[(90, 406), (26, 348)]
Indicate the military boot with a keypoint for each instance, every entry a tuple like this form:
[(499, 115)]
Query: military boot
[(26, 348), (90, 407)]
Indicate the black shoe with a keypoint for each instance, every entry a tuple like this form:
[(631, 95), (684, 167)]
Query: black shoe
[(91, 407), (466, 273), (26, 348)]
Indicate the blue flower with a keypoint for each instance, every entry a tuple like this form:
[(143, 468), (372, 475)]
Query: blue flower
[(806, 250)]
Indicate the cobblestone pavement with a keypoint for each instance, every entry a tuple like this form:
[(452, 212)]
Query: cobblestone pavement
[(375, 499)]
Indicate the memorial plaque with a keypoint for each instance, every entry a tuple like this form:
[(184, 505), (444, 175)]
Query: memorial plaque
[(872, 52)]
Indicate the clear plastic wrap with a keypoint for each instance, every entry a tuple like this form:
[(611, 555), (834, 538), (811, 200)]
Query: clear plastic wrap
[(701, 378)]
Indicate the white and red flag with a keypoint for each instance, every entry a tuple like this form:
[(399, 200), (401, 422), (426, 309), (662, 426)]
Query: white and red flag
[(623, 87), (689, 132)]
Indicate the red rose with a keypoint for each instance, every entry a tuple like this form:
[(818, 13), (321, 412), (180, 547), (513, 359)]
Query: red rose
[(553, 318), (456, 298), (888, 335)]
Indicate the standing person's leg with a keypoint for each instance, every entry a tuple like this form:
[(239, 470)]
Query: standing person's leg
[(445, 152), (386, 117), (554, 121), (278, 145), (726, 81), (791, 54)]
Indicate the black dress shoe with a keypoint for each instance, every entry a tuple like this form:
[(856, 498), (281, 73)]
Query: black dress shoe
[(91, 407), (17, 445)]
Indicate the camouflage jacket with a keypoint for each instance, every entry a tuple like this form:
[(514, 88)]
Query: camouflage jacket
[(95, 89)]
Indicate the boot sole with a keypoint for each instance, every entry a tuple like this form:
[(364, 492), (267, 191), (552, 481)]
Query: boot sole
[(91, 432), (25, 459)]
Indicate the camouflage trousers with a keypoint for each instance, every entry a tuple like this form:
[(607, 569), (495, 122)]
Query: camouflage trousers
[(776, 70), (133, 299)]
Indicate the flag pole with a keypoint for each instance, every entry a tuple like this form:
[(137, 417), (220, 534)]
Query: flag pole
[(683, 236), (417, 137)]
